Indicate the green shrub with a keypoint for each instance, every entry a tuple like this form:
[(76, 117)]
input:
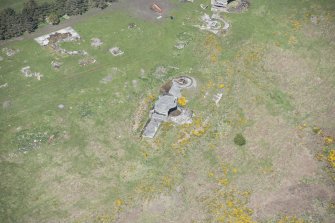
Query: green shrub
[(239, 140), (53, 19)]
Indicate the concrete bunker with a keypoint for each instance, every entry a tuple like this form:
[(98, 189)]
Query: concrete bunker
[(166, 108)]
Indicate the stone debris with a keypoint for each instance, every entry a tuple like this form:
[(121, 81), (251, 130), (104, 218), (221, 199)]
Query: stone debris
[(54, 39), (107, 79), (185, 117), (4, 85), (166, 107), (96, 42), (203, 6), (10, 52), (71, 53), (217, 97), (28, 73), (116, 51), (61, 106), (180, 44), (213, 24), (56, 65), (87, 61)]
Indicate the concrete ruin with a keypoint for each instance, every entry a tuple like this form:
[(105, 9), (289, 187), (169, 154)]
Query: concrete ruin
[(214, 24), (96, 42), (10, 52), (56, 65), (219, 5), (68, 35), (26, 71), (86, 61), (54, 39), (166, 107), (116, 51)]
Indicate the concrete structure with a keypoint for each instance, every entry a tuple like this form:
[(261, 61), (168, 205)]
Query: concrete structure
[(219, 5), (166, 104), (73, 35)]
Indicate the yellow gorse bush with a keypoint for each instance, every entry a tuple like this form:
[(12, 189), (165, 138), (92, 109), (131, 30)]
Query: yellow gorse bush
[(182, 101), (329, 140), (118, 202), (331, 158)]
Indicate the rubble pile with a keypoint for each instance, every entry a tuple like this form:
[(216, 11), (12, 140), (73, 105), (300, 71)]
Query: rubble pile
[(214, 24), (238, 6), (59, 37), (217, 98), (26, 71), (116, 51), (74, 52), (87, 61), (10, 52), (56, 65), (96, 42)]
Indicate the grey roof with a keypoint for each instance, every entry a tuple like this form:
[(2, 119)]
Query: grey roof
[(159, 117), (151, 128), (164, 104), (175, 90)]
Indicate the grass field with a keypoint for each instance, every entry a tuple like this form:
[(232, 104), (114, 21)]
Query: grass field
[(88, 163)]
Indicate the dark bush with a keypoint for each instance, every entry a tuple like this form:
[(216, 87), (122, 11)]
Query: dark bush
[(239, 140)]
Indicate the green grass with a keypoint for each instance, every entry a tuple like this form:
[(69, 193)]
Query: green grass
[(96, 158)]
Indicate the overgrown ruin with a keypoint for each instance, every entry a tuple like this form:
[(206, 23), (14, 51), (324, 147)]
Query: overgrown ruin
[(54, 39)]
